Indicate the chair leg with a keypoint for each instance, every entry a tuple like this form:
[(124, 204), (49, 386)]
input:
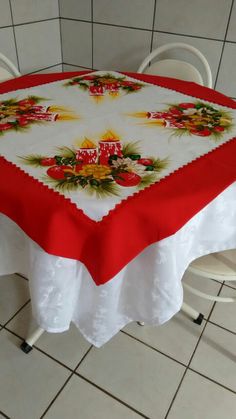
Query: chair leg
[(28, 343), (141, 323), (195, 315)]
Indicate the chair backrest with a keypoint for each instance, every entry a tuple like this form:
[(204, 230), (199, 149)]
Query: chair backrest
[(176, 68), (5, 74)]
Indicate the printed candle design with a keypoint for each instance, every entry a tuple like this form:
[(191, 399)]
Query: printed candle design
[(191, 118), (109, 145), (19, 115), (99, 86), (103, 170), (87, 153)]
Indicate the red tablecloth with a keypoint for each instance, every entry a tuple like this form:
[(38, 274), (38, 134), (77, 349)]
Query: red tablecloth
[(154, 213)]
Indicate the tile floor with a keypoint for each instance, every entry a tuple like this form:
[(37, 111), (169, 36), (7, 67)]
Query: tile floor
[(176, 371)]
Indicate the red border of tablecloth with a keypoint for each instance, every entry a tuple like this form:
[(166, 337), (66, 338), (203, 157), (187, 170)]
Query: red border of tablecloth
[(105, 247)]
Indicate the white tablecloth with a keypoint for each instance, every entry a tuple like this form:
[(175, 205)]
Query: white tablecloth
[(148, 289)]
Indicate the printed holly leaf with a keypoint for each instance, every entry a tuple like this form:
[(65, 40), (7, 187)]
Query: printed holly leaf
[(131, 148)]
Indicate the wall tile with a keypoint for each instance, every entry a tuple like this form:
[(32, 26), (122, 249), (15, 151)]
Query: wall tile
[(5, 14), (120, 48), (227, 81), (75, 9), (231, 34), (68, 67), (30, 10), (7, 44), (211, 50), (38, 45), (207, 19), (124, 12), (54, 69), (76, 42)]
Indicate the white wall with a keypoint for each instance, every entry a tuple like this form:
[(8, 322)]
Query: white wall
[(117, 34), (30, 34)]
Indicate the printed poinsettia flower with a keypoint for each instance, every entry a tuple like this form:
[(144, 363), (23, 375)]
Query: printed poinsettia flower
[(129, 165)]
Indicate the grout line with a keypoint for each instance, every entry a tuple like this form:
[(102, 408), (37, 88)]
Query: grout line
[(153, 348), (42, 351), (190, 36), (108, 24), (14, 35), (17, 312), (111, 395), (223, 47), (13, 333), (123, 26), (35, 21), (54, 359), (229, 286), (68, 379), (60, 29), (44, 68), (53, 400), (146, 29), (83, 357), (92, 52), (193, 353), (75, 65), (221, 327), (185, 372), (21, 276), (4, 415), (153, 24), (211, 379)]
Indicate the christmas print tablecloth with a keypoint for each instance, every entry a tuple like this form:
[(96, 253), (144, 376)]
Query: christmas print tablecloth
[(97, 167)]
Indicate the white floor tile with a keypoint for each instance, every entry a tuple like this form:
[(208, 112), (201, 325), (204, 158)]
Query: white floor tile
[(216, 355), (68, 347), (28, 382), (224, 313), (13, 295), (141, 377), (199, 398), (80, 399), (176, 338)]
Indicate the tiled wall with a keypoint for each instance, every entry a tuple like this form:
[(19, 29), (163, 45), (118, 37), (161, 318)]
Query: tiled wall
[(118, 34), (30, 34)]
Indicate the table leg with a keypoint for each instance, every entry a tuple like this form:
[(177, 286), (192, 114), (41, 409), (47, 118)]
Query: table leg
[(196, 316), (27, 345)]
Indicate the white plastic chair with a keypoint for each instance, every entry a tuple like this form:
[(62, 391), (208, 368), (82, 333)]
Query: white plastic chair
[(4, 73), (220, 266), (176, 68)]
